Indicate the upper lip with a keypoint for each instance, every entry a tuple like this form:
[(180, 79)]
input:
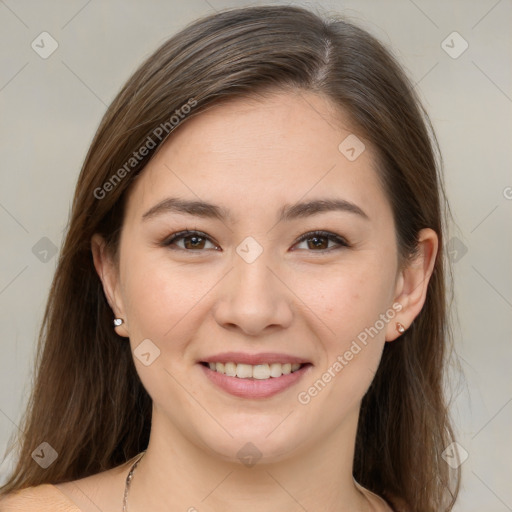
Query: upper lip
[(254, 359)]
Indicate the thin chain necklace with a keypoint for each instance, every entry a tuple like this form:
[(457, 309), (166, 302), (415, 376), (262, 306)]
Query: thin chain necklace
[(129, 481), (134, 465)]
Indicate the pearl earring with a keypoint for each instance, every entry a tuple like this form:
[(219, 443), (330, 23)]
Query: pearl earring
[(400, 328), (118, 321)]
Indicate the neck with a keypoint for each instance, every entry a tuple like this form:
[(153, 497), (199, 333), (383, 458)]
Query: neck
[(177, 474)]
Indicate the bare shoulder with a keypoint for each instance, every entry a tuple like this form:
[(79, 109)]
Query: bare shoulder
[(378, 503), (40, 498), (102, 491)]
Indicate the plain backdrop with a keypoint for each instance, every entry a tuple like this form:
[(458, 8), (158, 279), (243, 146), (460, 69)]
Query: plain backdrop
[(51, 107)]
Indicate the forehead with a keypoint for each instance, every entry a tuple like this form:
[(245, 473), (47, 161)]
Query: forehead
[(247, 152)]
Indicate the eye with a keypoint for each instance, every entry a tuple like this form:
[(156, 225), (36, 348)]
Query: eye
[(320, 240), (191, 240)]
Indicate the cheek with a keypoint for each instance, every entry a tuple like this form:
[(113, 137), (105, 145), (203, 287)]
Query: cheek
[(351, 306), (163, 304), (348, 298), (161, 298)]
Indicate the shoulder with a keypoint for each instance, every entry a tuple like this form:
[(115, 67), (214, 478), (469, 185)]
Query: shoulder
[(397, 503), (101, 491), (386, 503), (40, 498)]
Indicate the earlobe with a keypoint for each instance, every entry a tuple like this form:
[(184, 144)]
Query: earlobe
[(108, 274), (120, 328), (413, 283), (399, 329)]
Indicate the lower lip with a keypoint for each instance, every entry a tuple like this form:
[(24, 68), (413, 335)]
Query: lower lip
[(255, 388)]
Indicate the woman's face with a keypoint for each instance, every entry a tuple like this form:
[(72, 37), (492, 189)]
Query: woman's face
[(245, 282)]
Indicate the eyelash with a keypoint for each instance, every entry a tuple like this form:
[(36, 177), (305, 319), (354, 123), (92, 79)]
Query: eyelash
[(312, 234)]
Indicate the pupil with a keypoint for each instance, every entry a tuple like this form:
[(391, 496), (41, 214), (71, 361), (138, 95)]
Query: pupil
[(317, 243), (194, 240)]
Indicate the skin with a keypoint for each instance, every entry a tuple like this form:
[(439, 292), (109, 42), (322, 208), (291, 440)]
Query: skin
[(253, 157)]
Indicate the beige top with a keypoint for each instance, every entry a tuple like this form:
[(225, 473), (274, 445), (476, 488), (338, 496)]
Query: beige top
[(39, 498)]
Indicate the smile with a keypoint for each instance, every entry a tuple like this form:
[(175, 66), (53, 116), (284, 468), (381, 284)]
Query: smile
[(254, 381)]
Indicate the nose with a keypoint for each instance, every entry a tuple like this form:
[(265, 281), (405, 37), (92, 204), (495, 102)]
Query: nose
[(254, 298)]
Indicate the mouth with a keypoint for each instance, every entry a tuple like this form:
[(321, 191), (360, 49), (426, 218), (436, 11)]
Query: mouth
[(254, 381)]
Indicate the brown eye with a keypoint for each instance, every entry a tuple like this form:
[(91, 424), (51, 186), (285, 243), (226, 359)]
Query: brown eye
[(192, 240), (318, 241)]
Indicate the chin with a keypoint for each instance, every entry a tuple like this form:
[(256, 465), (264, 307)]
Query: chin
[(263, 443)]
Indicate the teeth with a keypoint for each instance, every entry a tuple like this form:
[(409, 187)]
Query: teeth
[(259, 371), (276, 370), (244, 371), (229, 369)]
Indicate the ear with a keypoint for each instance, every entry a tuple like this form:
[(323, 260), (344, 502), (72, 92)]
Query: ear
[(412, 282), (109, 274)]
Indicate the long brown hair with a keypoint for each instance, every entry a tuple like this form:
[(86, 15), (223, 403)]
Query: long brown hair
[(88, 402)]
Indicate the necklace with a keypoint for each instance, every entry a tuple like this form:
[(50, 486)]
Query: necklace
[(129, 481), (134, 466)]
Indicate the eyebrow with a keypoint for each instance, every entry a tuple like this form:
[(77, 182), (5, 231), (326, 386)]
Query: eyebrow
[(286, 213)]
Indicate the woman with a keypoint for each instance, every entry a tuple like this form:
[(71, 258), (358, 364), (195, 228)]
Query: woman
[(249, 309)]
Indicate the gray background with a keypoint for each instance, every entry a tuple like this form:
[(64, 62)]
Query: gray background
[(50, 109)]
